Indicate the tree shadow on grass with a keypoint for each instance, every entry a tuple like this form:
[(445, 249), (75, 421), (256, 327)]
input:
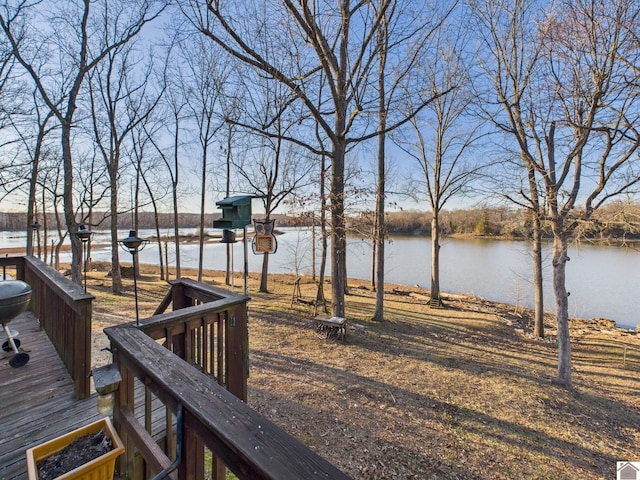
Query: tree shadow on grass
[(481, 350), (492, 346), (359, 452), (340, 386)]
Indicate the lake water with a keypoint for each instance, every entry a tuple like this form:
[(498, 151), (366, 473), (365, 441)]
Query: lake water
[(604, 281)]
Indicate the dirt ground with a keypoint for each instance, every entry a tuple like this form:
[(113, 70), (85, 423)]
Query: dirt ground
[(462, 392)]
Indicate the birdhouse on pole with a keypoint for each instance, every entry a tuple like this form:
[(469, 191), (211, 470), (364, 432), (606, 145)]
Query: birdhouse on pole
[(264, 240), (236, 212)]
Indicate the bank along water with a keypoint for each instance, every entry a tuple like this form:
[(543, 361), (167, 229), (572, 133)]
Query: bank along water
[(603, 281)]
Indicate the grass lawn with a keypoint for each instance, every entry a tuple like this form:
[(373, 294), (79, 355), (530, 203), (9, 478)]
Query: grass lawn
[(460, 392)]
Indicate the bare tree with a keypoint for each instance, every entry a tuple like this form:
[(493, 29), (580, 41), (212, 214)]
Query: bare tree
[(203, 79), (51, 197), (517, 181), (32, 130), (147, 170), (273, 168), (334, 46), (397, 62), (379, 223), (444, 133), (64, 27), (92, 186), (119, 102), (569, 112), (172, 116)]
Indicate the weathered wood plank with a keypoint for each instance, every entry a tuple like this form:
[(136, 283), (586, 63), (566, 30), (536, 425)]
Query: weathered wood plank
[(64, 310), (248, 443), (160, 322), (37, 401), (144, 442)]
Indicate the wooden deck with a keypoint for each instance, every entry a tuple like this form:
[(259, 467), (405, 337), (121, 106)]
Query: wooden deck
[(207, 334), (36, 401)]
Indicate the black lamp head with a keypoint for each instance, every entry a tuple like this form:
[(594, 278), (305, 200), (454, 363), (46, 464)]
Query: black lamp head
[(132, 242)]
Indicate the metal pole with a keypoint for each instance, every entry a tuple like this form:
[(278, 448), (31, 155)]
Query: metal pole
[(246, 262), (84, 255), (135, 285)]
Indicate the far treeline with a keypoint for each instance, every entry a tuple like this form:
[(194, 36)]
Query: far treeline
[(613, 222)]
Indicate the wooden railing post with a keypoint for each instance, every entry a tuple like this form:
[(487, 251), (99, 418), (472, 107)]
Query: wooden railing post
[(192, 465), (180, 300), (124, 403), (237, 352)]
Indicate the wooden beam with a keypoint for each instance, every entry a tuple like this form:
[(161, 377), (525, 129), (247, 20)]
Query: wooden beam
[(249, 444), (152, 453)]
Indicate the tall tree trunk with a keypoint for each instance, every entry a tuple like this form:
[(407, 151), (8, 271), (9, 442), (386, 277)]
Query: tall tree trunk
[(559, 262), (436, 301), (89, 243), (45, 227), (320, 298), (338, 230), (379, 239), (382, 42), (69, 211), (156, 222), (313, 247), (203, 197), (29, 221), (264, 276), (538, 299), (55, 250), (37, 230), (176, 215), (116, 278), (176, 232), (33, 183), (373, 258)]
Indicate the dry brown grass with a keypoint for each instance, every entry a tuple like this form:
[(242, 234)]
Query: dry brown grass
[(452, 393)]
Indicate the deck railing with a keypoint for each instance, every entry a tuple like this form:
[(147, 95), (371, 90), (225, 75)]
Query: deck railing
[(181, 362), (64, 311), (211, 335)]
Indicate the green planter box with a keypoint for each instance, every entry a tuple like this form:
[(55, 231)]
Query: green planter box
[(101, 468)]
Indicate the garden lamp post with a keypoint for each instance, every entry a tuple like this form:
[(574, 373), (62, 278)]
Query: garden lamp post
[(133, 244), (84, 234)]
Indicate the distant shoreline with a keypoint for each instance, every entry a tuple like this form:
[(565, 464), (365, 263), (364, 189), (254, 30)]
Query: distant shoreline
[(194, 237)]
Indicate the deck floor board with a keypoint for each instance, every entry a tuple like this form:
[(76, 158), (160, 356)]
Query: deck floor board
[(37, 400)]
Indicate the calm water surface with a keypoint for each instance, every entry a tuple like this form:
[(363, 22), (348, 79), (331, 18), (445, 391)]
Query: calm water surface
[(604, 281)]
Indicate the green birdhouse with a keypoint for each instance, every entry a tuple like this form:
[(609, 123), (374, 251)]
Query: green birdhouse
[(236, 212)]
